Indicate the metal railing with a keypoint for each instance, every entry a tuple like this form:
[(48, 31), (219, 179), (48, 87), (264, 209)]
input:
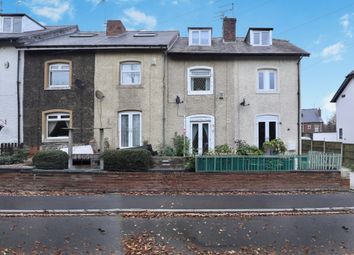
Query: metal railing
[(278, 163)]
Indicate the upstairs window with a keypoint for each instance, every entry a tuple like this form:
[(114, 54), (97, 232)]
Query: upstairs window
[(130, 73), (58, 74), (11, 25), (201, 37), (261, 38), (267, 80), (200, 81)]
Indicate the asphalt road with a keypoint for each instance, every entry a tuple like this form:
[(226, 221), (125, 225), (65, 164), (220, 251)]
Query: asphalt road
[(317, 234), (112, 201)]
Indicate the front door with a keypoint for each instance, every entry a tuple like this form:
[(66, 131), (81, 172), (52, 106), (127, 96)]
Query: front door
[(200, 137), (266, 129)]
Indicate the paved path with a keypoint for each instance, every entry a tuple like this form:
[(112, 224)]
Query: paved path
[(113, 201)]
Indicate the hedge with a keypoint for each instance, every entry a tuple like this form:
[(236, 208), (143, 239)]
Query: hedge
[(51, 159), (127, 160)]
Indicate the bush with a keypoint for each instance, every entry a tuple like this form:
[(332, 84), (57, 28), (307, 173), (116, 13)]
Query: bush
[(127, 160), (167, 150), (181, 145), (20, 155), (190, 164), (275, 146), (51, 159), (6, 160), (247, 150), (223, 149)]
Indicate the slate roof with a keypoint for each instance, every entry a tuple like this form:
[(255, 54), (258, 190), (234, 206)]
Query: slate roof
[(311, 116), (343, 86), (129, 39), (239, 47)]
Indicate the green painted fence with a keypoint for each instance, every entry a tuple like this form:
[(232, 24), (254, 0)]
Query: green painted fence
[(279, 163)]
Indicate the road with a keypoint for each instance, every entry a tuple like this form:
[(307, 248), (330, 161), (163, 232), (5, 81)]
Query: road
[(301, 234)]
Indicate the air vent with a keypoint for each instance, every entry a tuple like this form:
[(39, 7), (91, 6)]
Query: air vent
[(83, 35), (145, 34)]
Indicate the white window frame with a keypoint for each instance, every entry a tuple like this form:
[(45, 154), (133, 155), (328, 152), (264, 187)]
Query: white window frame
[(121, 73), (266, 80), (200, 118), (267, 118), (61, 65), (261, 34), (189, 82), (12, 24), (59, 116), (130, 128), (199, 31)]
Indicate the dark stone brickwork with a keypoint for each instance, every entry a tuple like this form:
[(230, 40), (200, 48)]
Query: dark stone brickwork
[(79, 100)]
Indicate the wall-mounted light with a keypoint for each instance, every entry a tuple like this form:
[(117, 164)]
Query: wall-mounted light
[(7, 64)]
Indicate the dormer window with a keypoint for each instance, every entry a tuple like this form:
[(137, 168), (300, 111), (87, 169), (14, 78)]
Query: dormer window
[(261, 37), (11, 24), (200, 36)]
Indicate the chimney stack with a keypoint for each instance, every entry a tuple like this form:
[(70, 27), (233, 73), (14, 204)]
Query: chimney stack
[(114, 28), (229, 29)]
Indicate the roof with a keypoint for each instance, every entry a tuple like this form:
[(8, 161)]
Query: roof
[(129, 39), (343, 86), (21, 15), (239, 47), (311, 116)]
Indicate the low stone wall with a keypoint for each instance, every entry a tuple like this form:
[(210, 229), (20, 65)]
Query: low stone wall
[(171, 182)]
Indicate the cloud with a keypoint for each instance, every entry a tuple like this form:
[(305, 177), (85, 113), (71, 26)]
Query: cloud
[(134, 17), (53, 10), (177, 2), (333, 52), (328, 108), (345, 21)]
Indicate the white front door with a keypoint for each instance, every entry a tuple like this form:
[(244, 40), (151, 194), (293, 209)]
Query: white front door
[(200, 131)]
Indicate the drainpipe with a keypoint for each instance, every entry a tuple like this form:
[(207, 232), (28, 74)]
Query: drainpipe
[(299, 107), (18, 99), (164, 98)]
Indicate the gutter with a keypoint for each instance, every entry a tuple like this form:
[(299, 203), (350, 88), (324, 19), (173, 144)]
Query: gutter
[(80, 47), (299, 107)]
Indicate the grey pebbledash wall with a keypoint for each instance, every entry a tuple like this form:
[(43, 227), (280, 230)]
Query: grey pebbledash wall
[(79, 100)]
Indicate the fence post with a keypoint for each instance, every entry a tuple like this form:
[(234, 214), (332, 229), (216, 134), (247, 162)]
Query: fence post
[(311, 145), (324, 146)]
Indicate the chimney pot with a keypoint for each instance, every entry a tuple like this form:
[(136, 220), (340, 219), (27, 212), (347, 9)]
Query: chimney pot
[(229, 29), (114, 28)]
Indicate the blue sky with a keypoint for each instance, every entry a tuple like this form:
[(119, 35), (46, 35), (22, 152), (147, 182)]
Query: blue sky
[(323, 28)]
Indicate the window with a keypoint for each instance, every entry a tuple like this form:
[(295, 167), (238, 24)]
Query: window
[(341, 133), (200, 81), (261, 38), (129, 129), (58, 74), (130, 73), (267, 80), (200, 37), (55, 124), (267, 129), (11, 24), (317, 128)]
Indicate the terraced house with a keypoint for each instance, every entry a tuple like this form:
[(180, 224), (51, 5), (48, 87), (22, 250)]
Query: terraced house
[(145, 86)]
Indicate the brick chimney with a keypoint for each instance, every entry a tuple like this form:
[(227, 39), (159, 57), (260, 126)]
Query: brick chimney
[(114, 28), (229, 29)]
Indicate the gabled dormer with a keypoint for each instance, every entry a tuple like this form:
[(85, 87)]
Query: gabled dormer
[(259, 36), (199, 36), (18, 23)]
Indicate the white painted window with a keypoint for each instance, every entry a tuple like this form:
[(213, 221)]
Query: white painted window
[(267, 80), (59, 76), (11, 24), (200, 131), (200, 37), (261, 38), (200, 80), (56, 124), (266, 128), (130, 73), (129, 129)]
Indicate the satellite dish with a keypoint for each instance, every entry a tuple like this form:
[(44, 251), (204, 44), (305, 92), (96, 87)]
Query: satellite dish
[(99, 94)]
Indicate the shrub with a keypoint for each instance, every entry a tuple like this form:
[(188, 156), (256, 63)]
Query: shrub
[(18, 156), (51, 159), (181, 145), (275, 146), (167, 150), (223, 149), (6, 160), (245, 149), (190, 164), (127, 160)]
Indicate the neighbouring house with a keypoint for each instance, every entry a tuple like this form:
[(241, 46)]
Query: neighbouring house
[(233, 88), (311, 122), (344, 100), (17, 30), (90, 80)]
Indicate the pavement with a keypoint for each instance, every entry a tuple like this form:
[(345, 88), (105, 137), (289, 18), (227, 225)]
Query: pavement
[(183, 203)]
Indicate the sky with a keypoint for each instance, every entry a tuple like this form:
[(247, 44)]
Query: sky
[(324, 28)]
